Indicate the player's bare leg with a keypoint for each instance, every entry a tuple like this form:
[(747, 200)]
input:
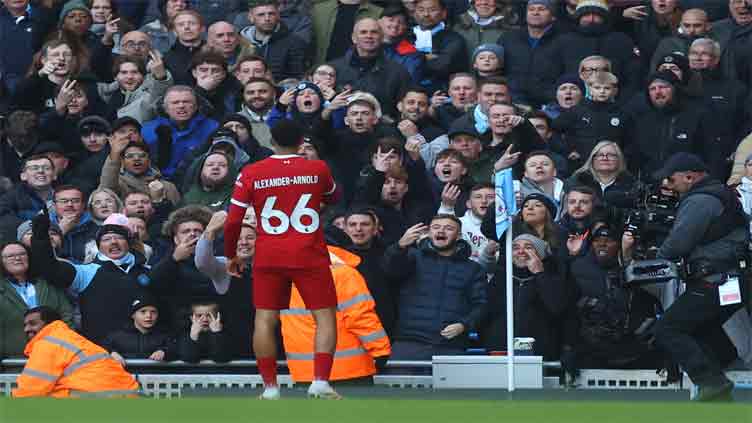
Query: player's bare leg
[(324, 347), (265, 348)]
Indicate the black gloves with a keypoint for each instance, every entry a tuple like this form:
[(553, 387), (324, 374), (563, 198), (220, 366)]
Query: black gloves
[(40, 225), (381, 362)]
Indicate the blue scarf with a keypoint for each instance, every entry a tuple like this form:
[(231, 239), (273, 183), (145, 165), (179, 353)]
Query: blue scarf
[(481, 120)]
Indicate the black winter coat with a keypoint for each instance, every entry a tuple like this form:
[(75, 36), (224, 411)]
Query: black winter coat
[(129, 342), (285, 54), (725, 102), (588, 123), (178, 62), (659, 133), (451, 57), (540, 302), (385, 79), (436, 291), (532, 72), (210, 346)]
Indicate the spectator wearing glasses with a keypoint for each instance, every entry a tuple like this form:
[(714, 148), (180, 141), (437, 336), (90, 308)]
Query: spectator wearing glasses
[(605, 171), (19, 291), (128, 167), (725, 99), (76, 223), (102, 203), (33, 194)]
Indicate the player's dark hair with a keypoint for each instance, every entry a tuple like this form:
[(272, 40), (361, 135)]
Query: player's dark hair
[(483, 185), (362, 211), (288, 133)]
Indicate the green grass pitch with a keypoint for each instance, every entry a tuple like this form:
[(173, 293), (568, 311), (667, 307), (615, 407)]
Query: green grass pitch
[(237, 410)]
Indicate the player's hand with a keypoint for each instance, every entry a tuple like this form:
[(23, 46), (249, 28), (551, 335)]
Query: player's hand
[(235, 267), (507, 160), (411, 235), (157, 355), (216, 225), (184, 249), (453, 330), (215, 323), (117, 357), (450, 194)]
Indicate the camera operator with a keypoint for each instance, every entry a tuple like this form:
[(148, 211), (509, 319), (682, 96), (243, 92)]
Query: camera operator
[(612, 318), (708, 233)]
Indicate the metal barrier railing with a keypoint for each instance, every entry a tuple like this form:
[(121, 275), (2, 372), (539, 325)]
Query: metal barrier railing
[(143, 363)]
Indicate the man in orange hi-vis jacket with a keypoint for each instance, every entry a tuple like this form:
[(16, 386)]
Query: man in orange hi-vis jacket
[(64, 364), (360, 337)]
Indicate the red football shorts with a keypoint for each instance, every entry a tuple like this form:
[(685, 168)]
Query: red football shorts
[(271, 287)]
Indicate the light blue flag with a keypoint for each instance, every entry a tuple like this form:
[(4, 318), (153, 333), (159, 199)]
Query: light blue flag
[(506, 206)]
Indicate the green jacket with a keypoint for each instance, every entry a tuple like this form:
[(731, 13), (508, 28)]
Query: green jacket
[(325, 13), (12, 308), (476, 35)]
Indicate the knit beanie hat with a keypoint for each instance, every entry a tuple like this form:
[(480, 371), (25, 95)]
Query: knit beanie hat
[(548, 4), (570, 78), (304, 85), (237, 117), (142, 301), (541, 246), (71, 6), (110, 228), (676, 58), (550, 206), (584, 7), (665, 76), (25, 228), (493, 48)]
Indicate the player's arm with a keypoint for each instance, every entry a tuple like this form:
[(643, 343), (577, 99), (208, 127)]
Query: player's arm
[(241, 198), (331, 194)]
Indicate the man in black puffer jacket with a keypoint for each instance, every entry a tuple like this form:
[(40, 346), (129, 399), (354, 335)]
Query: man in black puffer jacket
[(442, 292), (668, 124)]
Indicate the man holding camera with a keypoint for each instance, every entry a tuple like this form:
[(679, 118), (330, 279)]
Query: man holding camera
[(710, 233)]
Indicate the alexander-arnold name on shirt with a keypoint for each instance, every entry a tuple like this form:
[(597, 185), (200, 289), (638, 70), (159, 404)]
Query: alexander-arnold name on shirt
[(285, 181)]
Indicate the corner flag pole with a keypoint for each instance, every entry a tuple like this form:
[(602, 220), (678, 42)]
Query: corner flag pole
[(506, 207), (510, 312)]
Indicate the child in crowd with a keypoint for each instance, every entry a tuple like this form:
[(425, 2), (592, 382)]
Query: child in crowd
[(141, 337), (488, 60), (205, 338)]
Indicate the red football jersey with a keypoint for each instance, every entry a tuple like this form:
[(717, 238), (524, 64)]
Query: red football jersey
[(286, 193)]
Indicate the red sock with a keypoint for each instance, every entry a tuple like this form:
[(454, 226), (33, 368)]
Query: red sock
[(268, 368), (322, 365)]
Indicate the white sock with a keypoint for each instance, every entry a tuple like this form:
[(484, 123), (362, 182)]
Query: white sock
[(319, 384)]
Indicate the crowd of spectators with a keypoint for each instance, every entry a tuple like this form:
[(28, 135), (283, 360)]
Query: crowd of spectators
[(125, 124)]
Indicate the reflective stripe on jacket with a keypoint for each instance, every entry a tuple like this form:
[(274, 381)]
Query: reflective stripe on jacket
[(360, 336), (63, 363)]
